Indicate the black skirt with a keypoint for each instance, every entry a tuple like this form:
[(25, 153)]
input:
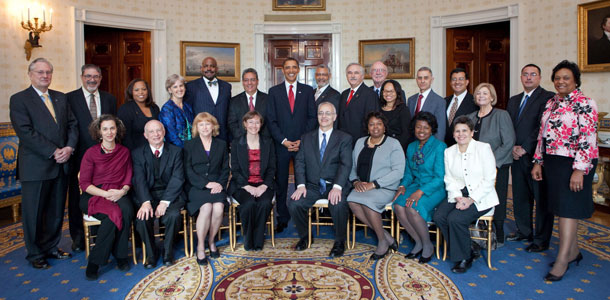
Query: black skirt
[(198, 197), (562, 201)]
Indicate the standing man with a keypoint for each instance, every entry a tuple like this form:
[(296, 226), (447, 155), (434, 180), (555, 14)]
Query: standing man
[(526, 110), (322, 168), (324, 92), (209, 94), (356, 102), (460, 103), (87, 104), (291, 111), (379, 73), (158, 177), (48, 133), (250, 99), (428, 100)]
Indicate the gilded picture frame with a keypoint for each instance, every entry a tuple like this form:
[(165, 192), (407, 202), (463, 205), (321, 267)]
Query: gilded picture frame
[(227, 57), (299, 5), (397, 54), (593, 44)]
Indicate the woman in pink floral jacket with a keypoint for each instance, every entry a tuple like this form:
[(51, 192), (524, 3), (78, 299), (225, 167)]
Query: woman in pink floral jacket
[(567, 146)]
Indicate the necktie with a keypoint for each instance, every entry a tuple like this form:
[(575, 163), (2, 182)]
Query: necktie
[(318, 93), (418, 107), (377, 91), (92, 107), (322, 150), (211, 83), (49, 105), (351, 94), (527, 97), (157, 153), (453, 110), (251, 105), (291, 99)]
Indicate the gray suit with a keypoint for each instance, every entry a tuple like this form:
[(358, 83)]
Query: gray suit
[(435, 105)]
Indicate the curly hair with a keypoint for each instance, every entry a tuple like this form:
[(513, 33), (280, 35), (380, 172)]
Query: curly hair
[(95, 128), (572, 66), (426, 117)]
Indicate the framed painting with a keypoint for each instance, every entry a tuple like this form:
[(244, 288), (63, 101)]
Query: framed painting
[(397, 54), (226, 55), (594, 36), (302, 5)]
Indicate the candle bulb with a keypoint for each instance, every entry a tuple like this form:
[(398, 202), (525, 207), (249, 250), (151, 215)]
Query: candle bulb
[(44, 16), (21, 15), (28, 14), (51, 17)]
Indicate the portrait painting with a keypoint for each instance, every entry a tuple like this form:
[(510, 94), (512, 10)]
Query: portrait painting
[(594, 36), (226, 55), (397, 54), (299, 5)]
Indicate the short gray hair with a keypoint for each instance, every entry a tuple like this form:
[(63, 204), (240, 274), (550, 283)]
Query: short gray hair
[(40, 59), (355, 64), (249, 70), (171, 79), (323, 66), (424, 68), (327, 103), (90, 66)]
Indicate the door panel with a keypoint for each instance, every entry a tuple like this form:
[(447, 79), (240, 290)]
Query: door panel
[(309, 52)]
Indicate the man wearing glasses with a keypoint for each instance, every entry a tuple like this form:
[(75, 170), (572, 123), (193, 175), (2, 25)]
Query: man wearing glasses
[(250, 99), (324, 92), (460, 103)]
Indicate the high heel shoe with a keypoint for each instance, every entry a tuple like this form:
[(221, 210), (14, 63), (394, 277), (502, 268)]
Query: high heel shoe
[(551, 277), (376, 256), (412, 255), (423, 260), (394, 245), (577, 260)]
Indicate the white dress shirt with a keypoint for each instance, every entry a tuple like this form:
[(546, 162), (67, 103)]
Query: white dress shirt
[(213, 89)]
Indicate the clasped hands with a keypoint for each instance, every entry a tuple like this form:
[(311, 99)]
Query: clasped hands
[(215, 187), (61, 155), (463, 203), (413, 198), (145, 212), (114, 194), (255, 191), (292, 146)]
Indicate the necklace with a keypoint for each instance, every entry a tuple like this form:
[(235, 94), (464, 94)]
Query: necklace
[(106, 149), (371, 144)]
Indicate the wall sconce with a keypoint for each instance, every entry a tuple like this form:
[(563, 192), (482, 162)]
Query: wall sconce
[(35, 30)]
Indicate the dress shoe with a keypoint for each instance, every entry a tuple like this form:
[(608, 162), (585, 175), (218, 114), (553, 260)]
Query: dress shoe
[(302, 244), (150, 264), (516, 237), (77, 248), (280, 227), (338, 249), (214, 254), (258, 248), (551, 277), (91, 271), (40, 263), (59, 254), (376, 256), (203, 261), (536, 248), (394, 245), (123, 264), (168, 260), (577, 260), (423, 260), (462, 266), (412, 255)]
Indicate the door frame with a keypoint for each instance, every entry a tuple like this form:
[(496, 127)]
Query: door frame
[(438, 34), (157, 28)]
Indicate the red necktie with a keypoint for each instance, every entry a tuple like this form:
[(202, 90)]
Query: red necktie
[(351, 94), (291, 99), (157, 153), (251, 104), (418, 107)]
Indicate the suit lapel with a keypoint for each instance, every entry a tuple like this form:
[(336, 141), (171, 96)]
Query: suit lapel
[(242, 153), (148, 157), (260, 101), (329, 146), (164, 159), (316, 146), (205, 92), (39, 105)]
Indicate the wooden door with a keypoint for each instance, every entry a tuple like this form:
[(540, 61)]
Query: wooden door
[(482, 50), (309, 52), (122, 55)]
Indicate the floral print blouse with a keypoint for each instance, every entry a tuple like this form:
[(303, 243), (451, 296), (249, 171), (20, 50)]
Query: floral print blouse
[(568, 128)]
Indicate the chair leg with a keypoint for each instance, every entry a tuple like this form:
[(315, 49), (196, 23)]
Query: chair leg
[(184, 235), (438, 243), (353, 231), (444, 249), (232, 231), (86, 229), (309, 227), (133, 246), (317, 221), (272, 229), (191, 235), (143, 253), (489, 232), (392, 228), (347, 236), (15, 208)]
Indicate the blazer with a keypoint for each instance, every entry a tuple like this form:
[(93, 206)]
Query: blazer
[(198, 96), (427, 177), (201, 168), (329, 95), (284, 124), (335, 165), (239, 107), (476, 170), (435, 105), (178, 122), (134, 120), (240, 162), (352, 117), (467, 106), (39, 135), (170, 168), (388, 163), (495, 131), (528, 124)]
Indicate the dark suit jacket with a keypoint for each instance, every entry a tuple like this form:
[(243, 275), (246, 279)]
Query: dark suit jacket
[(404, 98), (281, 121), (201, 169), (435, 105), (528, 125), (240, 163), (170, 168), (599, 51), (239, 107), (198, 96), (467, 106), (134, 120), (79, 107), (353, 116), (39, 135), (335, 166), (329, 95)]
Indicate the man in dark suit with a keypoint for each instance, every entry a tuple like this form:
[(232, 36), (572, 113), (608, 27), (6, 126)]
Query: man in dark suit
[(379, 74), (48, 133), (460, 103), (209, 94), (250, 99), (356, 102), (158, 177), (87, 104), (322, 168), (324, 92), (291, 111), (428, 100), (525, 110), (599, 50)]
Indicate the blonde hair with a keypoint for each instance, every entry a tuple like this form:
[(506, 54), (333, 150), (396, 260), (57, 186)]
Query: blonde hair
[(206, 117), (492, 91)]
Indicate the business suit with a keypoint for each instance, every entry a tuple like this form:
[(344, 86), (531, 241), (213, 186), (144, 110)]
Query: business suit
[(435, 105), (155, 179), (240, 106), (134, 120), (467, 106), (404, 98), (199, 97), (43, 180), (329, 95), (254, 211), (599, 51), (334, 169), (352, 117), (284, 124), (80, 109), (526, 191)]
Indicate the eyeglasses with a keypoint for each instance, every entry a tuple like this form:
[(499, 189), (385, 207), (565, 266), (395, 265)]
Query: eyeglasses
[(378, 70), (454, 79), (321, 74), (88, 76), (389, 92), (533, 74), (325, 113), (40, 73), (249, 80)]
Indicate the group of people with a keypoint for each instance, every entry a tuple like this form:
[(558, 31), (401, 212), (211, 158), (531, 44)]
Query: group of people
[(434, 159)]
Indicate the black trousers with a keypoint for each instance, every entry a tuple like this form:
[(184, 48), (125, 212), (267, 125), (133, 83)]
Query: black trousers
[(254, 212), (42, 210), (283, 168), (454, 225), (75, 215), (146, 229), (502, 192), (526, 192), (109, 237), (339, 212)]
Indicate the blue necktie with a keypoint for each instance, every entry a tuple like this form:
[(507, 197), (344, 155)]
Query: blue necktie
[(322, 149), (522, 106), (378, 91)]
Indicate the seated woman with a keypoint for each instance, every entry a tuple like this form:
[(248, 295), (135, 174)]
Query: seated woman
[(470, 175), (206, 160), (376, 173), (253, 170), (176, 115), (422, 187), (105, 179)]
